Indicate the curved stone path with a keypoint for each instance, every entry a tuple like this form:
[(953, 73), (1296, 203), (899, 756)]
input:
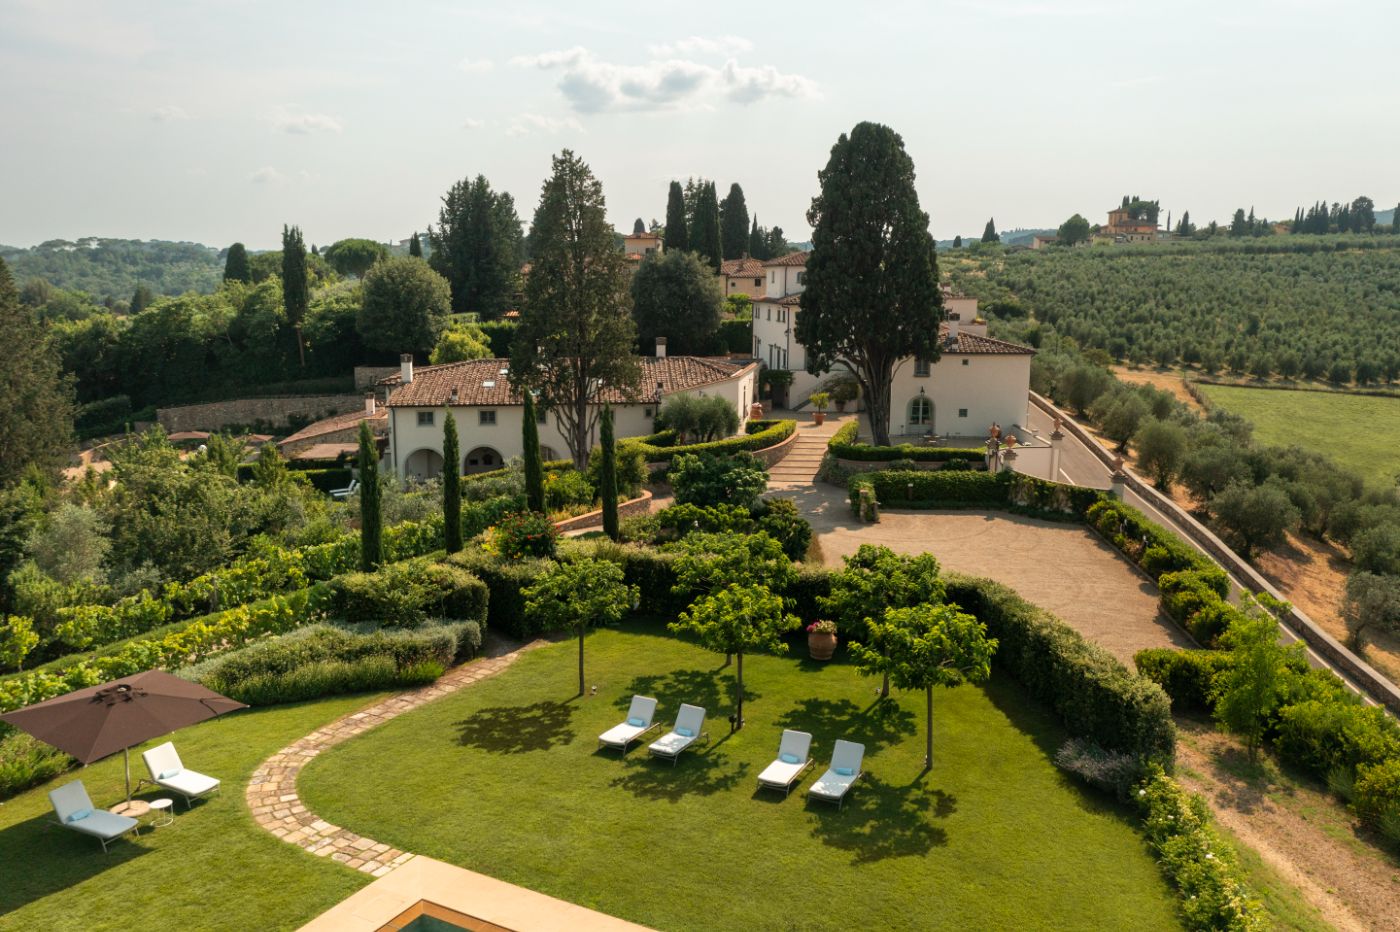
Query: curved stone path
[(272, 789)]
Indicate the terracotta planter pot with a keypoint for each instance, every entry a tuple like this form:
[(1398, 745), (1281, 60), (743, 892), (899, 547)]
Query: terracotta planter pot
[(821, 646), (819, 418)]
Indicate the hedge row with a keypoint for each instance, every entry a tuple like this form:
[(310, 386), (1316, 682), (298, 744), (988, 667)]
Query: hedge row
[(843, 445), (1151, 546), (773, 432), (274, 571), (1187, 676), (1197, 862), (404, 595), (921, 489), (1094, 695), (1195, 599), (323, 478)]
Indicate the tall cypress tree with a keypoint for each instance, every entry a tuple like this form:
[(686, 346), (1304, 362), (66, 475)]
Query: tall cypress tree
[(989, 232), (639, 226), (371, 520), (141, 298), (677, 236), (534, 469), (704, 229), (415, 246), (756, 242), (294, 289), (236, 264), (734, 224), (1395, 220), (451, 483), (477, 247), (37, 428), (607, 473)]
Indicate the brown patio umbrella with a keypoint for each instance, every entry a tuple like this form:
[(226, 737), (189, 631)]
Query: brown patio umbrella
[(99, 721)]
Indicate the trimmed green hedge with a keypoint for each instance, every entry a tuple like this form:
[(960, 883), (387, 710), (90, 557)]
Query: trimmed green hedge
[(1094, 695), (404, 595), (775, 432), (1151, 546), (843, 445), (941, 488), (1188, 676), (506, 580)]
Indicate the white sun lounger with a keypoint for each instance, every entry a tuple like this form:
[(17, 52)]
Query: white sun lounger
[(793, 759), (688, 729), (346, 492), (641, 717), (844, 771), (167, 772), (75, 810)]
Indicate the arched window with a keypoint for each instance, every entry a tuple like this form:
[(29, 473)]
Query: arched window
[(921, 411)]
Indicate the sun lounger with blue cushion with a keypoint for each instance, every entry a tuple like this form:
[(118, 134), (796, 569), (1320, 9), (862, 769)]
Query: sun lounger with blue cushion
[(75, 810), (689, 728), (641, 717), (794, 758), (844, 771)]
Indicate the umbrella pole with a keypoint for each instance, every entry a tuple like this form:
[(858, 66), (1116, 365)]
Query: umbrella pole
[(126, 765)]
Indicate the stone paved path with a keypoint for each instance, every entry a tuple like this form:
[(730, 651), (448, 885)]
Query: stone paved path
[(272, 789)]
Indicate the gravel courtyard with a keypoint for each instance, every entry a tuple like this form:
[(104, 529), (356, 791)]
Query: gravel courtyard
[(1062, 567)]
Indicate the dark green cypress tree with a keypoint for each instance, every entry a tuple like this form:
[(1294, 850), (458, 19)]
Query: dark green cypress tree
[(677, 236), (415, 246), (639, 226), (989, 232), (141, 299), (371, 520), (607, 473), (236, 264), (957, 242), (756, 243), (534, 469), (704, 230), (734, 224), (295, 296), (1395, 220), (451, 483)]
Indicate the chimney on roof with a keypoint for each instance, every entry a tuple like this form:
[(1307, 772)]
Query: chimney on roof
[(660, 347), (954, 323), (406, 368), (369, 404), (452, 396)]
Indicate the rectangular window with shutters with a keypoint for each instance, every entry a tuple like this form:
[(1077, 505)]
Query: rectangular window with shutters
[(962, 412), (921, 368), (487, 418), (425, 419)]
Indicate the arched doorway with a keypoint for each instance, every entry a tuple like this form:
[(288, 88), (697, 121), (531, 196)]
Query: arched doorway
[(920, 414), (423, 464), (481, 459)]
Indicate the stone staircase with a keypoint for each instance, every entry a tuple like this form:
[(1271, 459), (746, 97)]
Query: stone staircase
[(799, 467)]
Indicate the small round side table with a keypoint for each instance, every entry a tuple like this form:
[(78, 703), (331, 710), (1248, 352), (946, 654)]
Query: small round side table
[(163, 812)]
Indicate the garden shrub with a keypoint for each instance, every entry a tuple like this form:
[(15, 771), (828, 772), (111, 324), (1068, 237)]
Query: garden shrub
[(630, 464), (25, 762), (1195, 859), (1377, 795), (404, 595), (1094, 695), (524, 535), (1188, 676), (1151, 546), (707, 479), (762, 440), (844, 445), (505, 580), (780, 520), (920, 489), (1112, 772), (1321, 735), (565, 488)]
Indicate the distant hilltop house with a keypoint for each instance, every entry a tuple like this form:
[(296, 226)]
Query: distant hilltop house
[(977, 380), (1134, 222), (477, 394), (742, 276), (1041, 240), (637, 246)]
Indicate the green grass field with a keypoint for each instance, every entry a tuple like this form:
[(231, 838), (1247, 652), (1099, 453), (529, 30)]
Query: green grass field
[(213, 869), (1356, 431), (505, 778)]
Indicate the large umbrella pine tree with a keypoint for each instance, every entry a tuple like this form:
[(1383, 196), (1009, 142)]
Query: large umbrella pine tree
[(872, 297)]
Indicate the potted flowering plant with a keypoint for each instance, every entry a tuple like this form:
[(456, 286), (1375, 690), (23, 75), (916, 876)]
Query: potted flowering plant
[(821, 639), (821, 401)]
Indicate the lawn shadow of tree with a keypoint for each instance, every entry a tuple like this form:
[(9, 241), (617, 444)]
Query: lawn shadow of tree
[(697, 687), (518, 729), (56, 860), (702, 771), (879, 820), (876, 726)]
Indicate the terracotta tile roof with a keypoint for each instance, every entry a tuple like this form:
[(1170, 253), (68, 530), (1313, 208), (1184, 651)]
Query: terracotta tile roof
[(340, 422), (792, 300), (741, 268), (486, 382), (972, 343), (792, 258)]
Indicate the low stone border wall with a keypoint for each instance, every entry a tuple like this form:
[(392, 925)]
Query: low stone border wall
[(635, 506), (1333, 651), (775, 454), (274, 409)]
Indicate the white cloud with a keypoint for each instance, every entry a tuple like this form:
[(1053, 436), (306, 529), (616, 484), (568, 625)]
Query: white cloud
[(702, 45), (292, 121), (475, 65), (594, 86), (527, 123), (470, 123), (266, 175), (169, 114)]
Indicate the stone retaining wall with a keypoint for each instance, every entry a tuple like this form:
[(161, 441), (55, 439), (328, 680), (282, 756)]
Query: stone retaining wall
[(636, 506), (367, 377), (775, 454), (1366, 677), (274, 409)]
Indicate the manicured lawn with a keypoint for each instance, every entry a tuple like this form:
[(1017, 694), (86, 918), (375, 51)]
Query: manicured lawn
[(504, 778), (213, 869), (1354, 430)]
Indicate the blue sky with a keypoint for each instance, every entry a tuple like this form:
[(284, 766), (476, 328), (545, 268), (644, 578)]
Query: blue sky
[(220, 121)]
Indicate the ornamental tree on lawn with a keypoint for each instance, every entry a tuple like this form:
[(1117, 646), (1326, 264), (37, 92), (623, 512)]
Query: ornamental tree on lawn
[(928, 646), (578, 596), (872, 297), (875, 580), (735, 620)]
